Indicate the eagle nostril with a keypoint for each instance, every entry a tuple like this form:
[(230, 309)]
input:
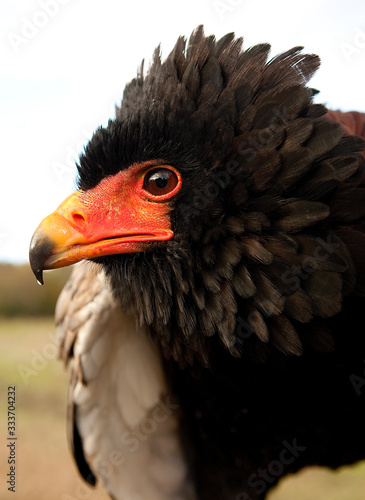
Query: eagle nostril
[(78, 218)]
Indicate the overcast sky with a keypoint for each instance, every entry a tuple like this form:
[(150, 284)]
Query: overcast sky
[(64, 64)]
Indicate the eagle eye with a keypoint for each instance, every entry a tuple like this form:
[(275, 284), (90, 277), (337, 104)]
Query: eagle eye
[(160, 181)]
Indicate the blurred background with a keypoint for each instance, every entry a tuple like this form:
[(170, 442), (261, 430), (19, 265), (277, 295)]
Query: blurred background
[(64, 64)]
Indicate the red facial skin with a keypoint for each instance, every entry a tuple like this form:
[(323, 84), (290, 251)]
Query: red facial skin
[(117, 216)]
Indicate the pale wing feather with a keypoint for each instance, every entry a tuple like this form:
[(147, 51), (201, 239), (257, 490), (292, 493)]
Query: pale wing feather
[(119, 403)]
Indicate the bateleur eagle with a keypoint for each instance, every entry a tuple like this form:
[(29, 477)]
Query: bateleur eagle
[(216, 341)]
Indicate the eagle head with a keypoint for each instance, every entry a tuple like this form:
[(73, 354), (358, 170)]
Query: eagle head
[(207, 201)]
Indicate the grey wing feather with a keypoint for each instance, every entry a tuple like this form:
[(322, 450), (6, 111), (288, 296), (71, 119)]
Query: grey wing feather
[(79, 291), (123, 425)]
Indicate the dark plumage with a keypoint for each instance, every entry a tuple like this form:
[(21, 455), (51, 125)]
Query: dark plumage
[(256, 301)]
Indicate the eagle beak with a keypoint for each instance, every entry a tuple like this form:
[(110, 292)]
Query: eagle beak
[(86, 226)]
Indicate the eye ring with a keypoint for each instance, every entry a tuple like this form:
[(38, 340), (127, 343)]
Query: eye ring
[(161, 182)]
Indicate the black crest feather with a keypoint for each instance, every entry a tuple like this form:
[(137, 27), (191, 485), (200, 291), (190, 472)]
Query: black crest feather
[(261, 221)]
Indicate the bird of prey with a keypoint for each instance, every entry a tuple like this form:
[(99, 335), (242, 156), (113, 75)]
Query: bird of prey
[(215, 333)]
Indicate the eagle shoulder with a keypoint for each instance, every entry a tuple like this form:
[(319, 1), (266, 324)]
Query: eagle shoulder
[(123, 425)]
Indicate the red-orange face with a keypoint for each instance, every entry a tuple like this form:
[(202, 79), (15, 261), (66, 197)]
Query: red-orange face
[(124, 213)]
